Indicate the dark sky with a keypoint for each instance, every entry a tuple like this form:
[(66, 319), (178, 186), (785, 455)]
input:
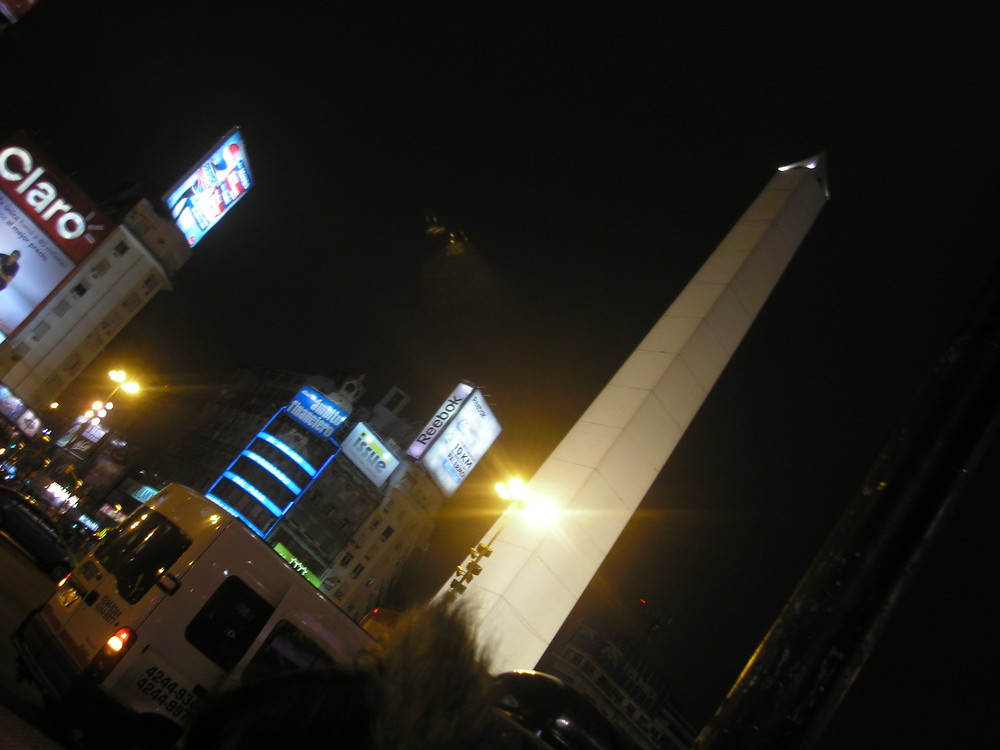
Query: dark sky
[(594, 159)]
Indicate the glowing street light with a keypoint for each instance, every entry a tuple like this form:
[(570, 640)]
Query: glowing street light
[(99, 409), (538, 510)]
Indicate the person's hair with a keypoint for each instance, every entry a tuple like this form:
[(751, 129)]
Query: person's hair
[(425, 687)]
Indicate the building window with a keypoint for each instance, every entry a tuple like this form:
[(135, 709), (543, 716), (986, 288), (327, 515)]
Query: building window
[(72, 364), (55, 383), (79, 290), (573, 657), (62, 308), (131, 303), (150, 285), (111, 324), (99, 269), (387, 533), (346, 559), (120, 249), (358, 569), (375, 524), (605, 685), (40, 330)]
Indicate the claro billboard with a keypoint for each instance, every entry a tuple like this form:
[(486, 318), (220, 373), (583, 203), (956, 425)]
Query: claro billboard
[(207, 193), (463, 441), (47, 227)]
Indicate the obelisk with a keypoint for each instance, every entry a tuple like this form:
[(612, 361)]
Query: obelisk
[(605, 464)]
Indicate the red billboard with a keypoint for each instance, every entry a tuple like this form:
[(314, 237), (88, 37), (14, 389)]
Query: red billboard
[(14, 10), (47, 227)]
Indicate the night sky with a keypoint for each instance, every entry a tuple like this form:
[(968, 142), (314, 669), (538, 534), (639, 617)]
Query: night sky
[(594, 159)]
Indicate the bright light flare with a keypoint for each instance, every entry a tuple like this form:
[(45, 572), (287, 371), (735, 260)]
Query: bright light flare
[(540, 511), (511, 490), (119, 640)]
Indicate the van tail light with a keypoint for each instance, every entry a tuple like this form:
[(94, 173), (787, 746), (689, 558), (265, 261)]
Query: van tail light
[(110, 654)]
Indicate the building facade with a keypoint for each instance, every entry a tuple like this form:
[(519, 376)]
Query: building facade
[(611, 673), (91, 306), (346, 527)]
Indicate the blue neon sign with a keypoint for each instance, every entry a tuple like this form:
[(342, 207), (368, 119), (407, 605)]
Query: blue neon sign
[(316, 412)]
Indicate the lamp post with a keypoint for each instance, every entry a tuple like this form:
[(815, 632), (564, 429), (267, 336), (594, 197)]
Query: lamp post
[(99, 409), (539, 510)]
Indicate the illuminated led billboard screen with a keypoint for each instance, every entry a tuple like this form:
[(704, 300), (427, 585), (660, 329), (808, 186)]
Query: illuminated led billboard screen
[(462, 443), (368, 453), (47, 227), (206, 194)]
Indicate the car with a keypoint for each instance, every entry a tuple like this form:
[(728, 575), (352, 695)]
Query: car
[(23, 521), (552, 711)]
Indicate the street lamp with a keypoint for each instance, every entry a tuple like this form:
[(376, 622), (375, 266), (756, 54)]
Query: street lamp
[(539, 510), (99, 409)]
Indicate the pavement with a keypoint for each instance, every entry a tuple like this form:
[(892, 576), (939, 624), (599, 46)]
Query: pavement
[(17, 733)]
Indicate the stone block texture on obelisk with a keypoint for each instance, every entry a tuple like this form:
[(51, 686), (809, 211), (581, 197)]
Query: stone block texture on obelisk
[(604, 466)]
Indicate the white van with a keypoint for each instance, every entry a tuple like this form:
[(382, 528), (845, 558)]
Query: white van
[(180, 602)]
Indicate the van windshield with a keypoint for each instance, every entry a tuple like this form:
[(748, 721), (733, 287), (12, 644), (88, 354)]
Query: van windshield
[(139, 551)]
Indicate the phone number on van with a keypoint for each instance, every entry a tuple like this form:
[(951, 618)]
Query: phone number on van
[(163, 690)]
